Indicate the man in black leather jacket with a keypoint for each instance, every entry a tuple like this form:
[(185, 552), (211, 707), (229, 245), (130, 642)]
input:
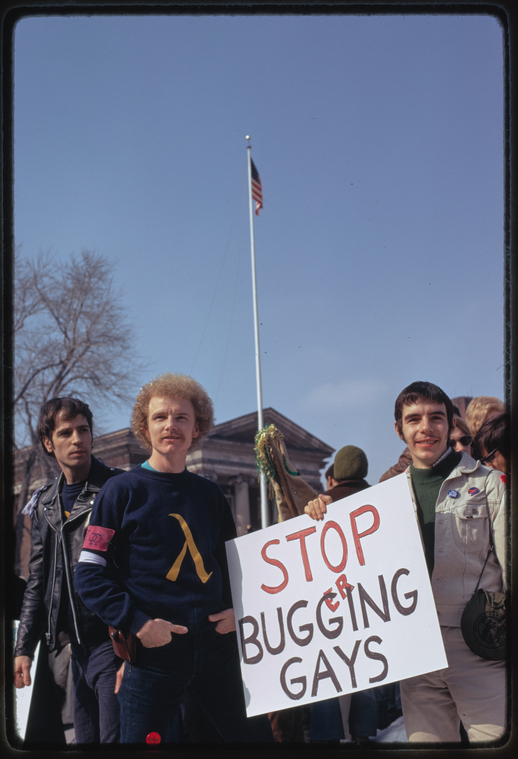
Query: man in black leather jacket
[(60, 514)]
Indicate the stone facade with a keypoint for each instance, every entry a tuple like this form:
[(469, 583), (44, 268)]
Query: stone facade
[(225, 456), (462, 402)]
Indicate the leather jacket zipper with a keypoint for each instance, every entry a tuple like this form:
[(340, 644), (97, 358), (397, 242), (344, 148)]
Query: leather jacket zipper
[(49, 625), (69, 578), (59, 534)]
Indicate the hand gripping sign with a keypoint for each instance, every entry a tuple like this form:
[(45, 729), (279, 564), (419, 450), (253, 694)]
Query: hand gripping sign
[(331, 607)]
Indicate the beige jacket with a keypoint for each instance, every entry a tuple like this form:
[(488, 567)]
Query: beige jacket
[(463, 522)]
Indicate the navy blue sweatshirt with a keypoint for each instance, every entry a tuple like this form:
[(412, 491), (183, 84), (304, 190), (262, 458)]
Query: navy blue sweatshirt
[(155, 548)]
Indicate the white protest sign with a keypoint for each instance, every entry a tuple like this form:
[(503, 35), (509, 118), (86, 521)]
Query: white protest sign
[(328, 607)]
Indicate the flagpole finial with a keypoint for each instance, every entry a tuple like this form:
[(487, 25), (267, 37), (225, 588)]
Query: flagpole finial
[(247, 136)]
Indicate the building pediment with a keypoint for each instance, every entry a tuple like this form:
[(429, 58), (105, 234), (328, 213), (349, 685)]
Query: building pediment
[(225, 456), (244, 428)]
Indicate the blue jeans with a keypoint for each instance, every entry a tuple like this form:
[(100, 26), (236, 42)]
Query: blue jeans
[(326, 721), (152, 689), (96, 707)]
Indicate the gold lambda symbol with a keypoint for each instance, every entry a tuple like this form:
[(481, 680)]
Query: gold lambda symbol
[(191, 545)]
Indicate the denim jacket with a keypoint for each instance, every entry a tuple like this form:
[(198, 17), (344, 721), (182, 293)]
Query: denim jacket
[(470, 507)]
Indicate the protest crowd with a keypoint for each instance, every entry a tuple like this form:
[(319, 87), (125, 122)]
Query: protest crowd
[(129, 593)]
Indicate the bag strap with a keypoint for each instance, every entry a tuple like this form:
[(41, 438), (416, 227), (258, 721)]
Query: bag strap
[(487, 557)]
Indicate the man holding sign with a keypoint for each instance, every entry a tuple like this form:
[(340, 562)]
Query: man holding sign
[(460, 508)]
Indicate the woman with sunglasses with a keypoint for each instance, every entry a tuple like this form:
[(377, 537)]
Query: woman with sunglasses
[(491, 443), (460, 438)]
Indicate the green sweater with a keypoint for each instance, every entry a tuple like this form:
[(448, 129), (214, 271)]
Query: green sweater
[(427, 483)]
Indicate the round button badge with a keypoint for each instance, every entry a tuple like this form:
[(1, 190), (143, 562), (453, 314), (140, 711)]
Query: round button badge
[(453, 493), (153, 738)]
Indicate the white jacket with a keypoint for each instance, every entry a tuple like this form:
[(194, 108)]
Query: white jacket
[(463, 521)]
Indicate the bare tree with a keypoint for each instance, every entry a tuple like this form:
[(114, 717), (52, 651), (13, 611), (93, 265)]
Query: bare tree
[(71, 337)]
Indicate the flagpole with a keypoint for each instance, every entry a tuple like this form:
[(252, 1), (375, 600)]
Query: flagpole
[(262, 479)]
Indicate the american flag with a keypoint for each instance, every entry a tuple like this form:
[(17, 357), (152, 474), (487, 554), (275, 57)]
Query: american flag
[(257, 190)]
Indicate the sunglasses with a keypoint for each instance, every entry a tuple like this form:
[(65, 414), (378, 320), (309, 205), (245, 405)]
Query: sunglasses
[(464, 440), (489, 456)]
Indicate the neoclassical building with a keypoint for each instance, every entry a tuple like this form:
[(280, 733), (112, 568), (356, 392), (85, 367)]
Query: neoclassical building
[(227, 457)]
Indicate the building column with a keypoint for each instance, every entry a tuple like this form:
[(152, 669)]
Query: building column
[(241, 505)]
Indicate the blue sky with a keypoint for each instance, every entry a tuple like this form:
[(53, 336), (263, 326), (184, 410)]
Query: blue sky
[(379, 141)]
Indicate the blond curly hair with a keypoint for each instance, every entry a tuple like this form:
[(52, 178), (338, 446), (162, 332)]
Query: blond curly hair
[(480, 408), (172, 386)]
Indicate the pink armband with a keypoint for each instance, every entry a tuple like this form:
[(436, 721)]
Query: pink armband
[(98, 538)]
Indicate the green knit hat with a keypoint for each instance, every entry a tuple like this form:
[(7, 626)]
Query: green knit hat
[(350, 464)]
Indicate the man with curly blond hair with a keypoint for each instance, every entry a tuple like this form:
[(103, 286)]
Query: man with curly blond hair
[(154, 564), (172, 386)]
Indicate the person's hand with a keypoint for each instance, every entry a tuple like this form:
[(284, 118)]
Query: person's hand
[(118, 678), (225, 620), (317, 508), (157, 632), (22, 669)]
